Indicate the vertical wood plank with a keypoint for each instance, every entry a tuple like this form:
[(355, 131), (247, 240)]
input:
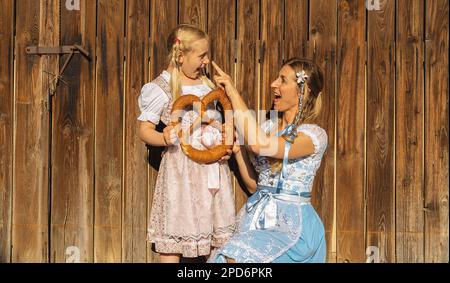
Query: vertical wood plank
[(221, 24), (247, 57), (408, 132), (109, 132), (380, 131), (134, 229), (322, 49), (193, 12), (221, 31), (30, 197), (436, 131), (163, 20), (350, 117), (271, 41), (6, 125), (295, 28), (72, 199)]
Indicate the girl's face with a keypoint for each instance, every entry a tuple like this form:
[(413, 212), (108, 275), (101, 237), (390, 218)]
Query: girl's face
[(195, 60), (285, 90)]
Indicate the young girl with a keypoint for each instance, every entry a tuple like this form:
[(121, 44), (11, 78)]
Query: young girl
[(193, 204), (278, 223)]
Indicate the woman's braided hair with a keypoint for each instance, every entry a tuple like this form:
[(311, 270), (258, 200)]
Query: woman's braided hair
[(311, 108)]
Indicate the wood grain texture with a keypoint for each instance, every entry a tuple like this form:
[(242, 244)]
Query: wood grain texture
[(109, 132), (221, 31), (134, 228), (436, 131), (193, 12), (247, 57), (163, 21), (295, 28), (72, 203), (30, 237), (322, 49), (221, 25), (383, 181), (409, 132), (271, 56), (247, 64), (350, 132), (6, 125), (380, 131)]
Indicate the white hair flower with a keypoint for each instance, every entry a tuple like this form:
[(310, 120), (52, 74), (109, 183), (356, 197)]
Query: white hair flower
[(301, 77)]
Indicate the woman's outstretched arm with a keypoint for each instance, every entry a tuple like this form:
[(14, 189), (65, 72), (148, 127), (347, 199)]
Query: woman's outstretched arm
[(258, 141)]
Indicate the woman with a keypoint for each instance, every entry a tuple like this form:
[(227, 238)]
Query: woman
[(278, 223)]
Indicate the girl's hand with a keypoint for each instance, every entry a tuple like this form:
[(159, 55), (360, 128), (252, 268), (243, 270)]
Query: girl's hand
[(224, 80), (235, 150), (226, 157), (170, 136)]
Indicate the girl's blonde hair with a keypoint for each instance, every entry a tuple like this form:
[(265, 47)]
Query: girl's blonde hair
[(313, 105), (179, 42)]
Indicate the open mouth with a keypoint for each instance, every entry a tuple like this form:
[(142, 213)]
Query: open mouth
[(200, 71), (277, 97)]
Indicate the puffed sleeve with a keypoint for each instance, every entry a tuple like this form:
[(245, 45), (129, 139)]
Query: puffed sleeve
[(151, 103), (318, 136)]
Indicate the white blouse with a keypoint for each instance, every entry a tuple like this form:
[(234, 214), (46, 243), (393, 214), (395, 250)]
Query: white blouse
[(152, 102), (153, 99)]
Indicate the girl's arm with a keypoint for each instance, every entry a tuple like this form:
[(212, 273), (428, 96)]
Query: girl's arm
[(254, 136), (149, 135), (246, 169)]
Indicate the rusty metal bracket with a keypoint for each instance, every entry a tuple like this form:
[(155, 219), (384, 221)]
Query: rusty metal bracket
[(58, 50)]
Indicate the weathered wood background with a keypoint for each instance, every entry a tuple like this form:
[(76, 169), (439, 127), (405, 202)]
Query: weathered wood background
[(74, 179)]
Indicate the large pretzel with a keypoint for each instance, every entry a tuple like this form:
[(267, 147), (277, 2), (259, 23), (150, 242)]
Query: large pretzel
[(213, 154)]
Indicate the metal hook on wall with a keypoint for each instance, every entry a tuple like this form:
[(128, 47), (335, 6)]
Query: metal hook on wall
[(58, 50)]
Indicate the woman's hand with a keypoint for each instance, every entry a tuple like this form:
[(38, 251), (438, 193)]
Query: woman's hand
[(227, 156), (237, 144), (170, 135), (224, 81)]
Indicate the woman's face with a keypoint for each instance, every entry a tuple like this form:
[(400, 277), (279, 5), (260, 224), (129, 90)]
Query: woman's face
[(195, 60), (285, 90)]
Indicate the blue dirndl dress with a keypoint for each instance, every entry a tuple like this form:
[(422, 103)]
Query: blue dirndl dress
[(278, 223)]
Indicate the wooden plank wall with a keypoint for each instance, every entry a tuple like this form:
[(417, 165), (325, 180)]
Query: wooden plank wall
[(72, 198), (6, 125), (30, 209), (75, 181), (246, 74), (134, 213), (409, 132), (350, 96), (322, 49), (380, 134), (109, 109), (436, 134)]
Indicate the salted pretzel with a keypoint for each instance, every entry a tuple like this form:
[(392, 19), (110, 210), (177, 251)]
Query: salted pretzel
[(212, 154)]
